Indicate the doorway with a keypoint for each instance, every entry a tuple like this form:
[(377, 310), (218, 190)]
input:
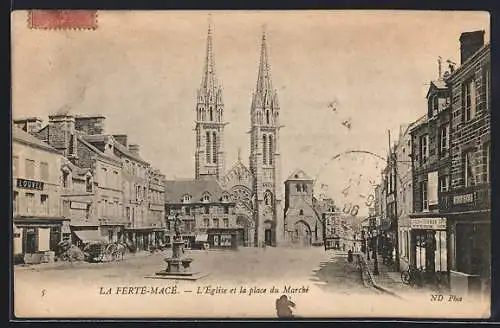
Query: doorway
[(268, 237)]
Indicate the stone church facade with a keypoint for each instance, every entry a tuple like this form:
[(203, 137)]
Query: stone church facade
[(256, 188)]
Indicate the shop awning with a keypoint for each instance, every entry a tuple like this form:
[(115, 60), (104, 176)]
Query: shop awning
[(201, 238), (89, 235)]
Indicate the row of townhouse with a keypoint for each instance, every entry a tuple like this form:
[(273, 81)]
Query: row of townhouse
[(439, 175), (103, 189)]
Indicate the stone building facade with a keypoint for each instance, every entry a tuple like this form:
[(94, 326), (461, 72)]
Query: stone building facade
[(207, 211), (36, 202), (467, 204), (303, 225)]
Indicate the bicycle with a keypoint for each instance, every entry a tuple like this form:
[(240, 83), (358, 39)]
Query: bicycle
[(412, 276)]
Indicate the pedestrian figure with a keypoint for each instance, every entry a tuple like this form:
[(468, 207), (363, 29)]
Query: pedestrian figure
[(349, 256), (284, 307)]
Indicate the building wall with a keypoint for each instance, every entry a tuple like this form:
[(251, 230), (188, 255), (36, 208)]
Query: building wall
[(21, 153)]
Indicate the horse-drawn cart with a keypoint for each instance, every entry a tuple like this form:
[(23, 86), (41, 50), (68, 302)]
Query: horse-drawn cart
[(99, 251)]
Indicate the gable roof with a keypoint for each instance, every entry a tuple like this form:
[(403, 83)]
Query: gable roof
[(90, 138), (22, 136), (439, 84), (299, 174), (176, 189)]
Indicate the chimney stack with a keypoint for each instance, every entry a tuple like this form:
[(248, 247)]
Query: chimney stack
[(29, 124), (122, 139), (90, 124), (470, 43), (134, 149)]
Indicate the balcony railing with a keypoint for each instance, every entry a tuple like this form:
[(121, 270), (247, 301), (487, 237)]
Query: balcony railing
[(466, 199)]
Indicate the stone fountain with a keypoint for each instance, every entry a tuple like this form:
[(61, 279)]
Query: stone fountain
[(178, 265)]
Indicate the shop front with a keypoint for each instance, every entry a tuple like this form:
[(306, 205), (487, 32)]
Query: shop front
[(471, 253), (35, 239), (429, 248), (223, 238)]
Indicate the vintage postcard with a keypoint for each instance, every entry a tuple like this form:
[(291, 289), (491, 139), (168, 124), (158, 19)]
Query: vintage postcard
[(251, 164)]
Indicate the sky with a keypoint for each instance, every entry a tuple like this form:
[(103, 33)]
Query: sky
[(141, 70)]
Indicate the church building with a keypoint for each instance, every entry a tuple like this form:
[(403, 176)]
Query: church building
[(254, 189)]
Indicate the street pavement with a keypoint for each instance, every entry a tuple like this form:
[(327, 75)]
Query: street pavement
[(242, 283)]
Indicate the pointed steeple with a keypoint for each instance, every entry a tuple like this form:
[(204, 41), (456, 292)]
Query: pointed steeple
[(264, 78), (209, 79)]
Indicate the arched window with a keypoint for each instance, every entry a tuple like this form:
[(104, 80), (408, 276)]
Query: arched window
[(268, 120), (259, 117), (207, 150), (211, 113), (203, 114), (264, 149), (301, 212), (270, 149), (214, 148)]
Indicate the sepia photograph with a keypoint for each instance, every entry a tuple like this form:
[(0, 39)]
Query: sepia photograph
[(251, 164)]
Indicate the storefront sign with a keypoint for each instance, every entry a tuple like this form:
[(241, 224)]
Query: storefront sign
[(463, 199), (79, 205), (29, 184), (428, 223)]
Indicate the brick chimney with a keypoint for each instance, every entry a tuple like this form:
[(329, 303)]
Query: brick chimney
[(470, 43), (61, 133), (29, 124), (90, 124), (134, 149), (121, 138)]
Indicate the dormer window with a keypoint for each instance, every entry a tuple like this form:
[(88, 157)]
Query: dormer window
[(206, 198), (225, 198), (186, 199), (435, 105)]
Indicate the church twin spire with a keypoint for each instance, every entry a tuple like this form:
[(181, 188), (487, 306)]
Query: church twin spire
[(210, 91)]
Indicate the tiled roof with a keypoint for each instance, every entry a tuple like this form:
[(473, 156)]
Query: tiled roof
[(176, 189), (299, 174), (122, 149), (24, 137)]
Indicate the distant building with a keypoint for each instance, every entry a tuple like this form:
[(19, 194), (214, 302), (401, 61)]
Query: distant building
[(207, 212), (302, 224), (36, 203)]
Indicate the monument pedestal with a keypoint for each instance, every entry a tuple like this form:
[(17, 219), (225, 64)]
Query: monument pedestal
[(178, 266)]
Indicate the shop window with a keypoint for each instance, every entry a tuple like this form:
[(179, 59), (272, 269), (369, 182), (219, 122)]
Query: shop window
[(469, 168), (469, 96), (44, 204), (225, 240), (30, 202), (44, 171), (30, 169)]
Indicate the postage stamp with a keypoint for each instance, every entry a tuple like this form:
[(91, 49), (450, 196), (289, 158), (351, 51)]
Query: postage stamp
[(62, 19)]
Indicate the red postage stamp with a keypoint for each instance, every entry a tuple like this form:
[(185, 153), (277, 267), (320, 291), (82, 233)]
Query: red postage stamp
[(63, 19)]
